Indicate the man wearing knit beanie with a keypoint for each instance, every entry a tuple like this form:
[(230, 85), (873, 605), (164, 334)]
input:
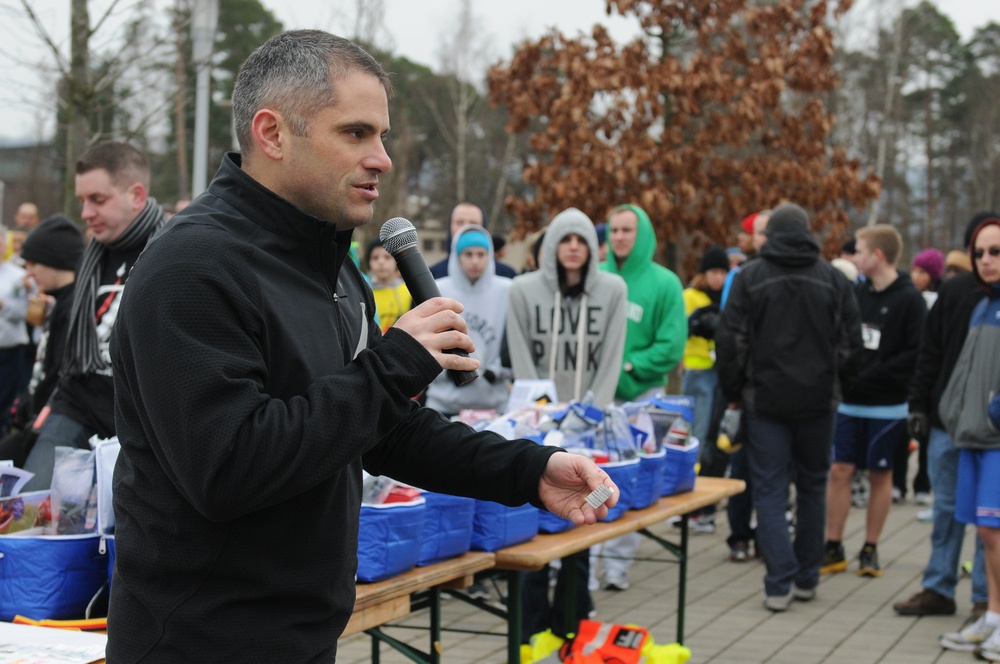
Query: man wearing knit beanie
[(789, 337), (51, 253)]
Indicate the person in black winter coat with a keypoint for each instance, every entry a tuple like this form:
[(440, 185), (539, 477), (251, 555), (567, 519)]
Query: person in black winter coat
[(944, 333), (788, 339), (252, 385)]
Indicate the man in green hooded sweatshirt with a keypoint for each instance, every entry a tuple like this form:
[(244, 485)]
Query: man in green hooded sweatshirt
[(655, 336), (657, 325)]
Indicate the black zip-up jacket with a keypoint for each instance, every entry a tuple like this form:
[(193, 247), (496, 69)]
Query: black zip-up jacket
[(251, 386), (892, 323), (945, 330), (790, 332)]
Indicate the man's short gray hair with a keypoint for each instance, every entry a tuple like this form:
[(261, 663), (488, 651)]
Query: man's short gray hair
[(294, 73)]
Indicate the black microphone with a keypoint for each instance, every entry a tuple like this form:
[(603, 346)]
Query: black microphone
[(399, 238)]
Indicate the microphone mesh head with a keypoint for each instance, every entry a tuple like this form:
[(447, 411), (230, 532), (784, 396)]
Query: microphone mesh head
[(397, 234)]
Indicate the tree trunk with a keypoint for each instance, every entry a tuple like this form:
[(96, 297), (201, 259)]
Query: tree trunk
[(887, 111), (180, 121), (78, 99), (929, 155)]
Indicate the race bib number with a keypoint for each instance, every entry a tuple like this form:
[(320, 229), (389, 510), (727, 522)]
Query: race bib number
[(871, 336)]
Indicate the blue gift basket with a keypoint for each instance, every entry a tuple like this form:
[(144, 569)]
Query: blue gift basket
[(45, 576), (389, 539), (447, 527), (679, 471), (549, 523), (497, 526), (625, 474), (649, 485)]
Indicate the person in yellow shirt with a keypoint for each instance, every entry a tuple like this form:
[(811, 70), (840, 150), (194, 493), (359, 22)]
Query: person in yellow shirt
[(392, 299), (700, 379)]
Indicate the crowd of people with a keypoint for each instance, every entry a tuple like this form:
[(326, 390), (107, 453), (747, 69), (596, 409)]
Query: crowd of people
[(253, 387)]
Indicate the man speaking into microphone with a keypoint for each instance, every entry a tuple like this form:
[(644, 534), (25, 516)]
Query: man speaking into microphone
[(252, 385)]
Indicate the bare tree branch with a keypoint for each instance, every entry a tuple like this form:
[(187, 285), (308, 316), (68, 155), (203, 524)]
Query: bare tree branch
[(44, 34), (104, 17)]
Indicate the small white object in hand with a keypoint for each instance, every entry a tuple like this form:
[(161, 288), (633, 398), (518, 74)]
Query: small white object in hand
[(598, 496)]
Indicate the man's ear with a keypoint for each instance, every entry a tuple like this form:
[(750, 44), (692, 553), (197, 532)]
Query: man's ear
[(138, 193), (267, 129)]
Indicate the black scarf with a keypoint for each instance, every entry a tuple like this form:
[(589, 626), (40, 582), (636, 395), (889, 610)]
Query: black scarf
[(82, 353)]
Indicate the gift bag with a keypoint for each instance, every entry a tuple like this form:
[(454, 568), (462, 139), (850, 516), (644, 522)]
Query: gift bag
[(389, 539), (49, 576), (497, 526), (447, 527), (679, 471), (649, 485), (106, 452)]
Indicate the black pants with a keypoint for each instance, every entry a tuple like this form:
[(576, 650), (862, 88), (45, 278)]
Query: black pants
[(539, 614)]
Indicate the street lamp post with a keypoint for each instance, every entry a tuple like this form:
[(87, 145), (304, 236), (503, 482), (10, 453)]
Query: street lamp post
[(204, 20)]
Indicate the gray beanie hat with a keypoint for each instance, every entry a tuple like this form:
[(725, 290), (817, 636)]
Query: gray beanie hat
[(787, 218)]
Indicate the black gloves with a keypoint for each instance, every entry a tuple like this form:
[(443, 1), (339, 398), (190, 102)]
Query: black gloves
[(918, 427), (702, 322)]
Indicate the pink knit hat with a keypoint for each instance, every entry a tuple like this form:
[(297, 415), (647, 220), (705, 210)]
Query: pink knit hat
[(930, 261)]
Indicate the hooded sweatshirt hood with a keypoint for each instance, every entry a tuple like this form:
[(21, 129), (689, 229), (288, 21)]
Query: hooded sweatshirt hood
[(642, 252), (566, 223), (485, 314), (993, 290), (576, 341), (456, 275), (791, 248)]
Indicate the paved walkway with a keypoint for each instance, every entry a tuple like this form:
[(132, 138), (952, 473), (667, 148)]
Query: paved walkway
[(850, 621)]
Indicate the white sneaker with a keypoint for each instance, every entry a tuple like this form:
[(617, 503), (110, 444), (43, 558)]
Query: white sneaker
[(990, 648), (703, 524), (926, 516), (803, 594), (615, 581), (922, 498), (970, 638), (778, 603)]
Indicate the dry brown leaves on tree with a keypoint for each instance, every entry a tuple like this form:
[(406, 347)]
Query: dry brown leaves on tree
[(717, 112)]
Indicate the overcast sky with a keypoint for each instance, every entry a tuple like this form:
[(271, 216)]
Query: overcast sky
[(414, 28)]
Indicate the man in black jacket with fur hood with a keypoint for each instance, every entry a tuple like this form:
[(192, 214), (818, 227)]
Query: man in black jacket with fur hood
[(788, 338)]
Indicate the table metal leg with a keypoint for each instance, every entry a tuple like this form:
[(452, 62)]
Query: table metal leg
[(515, 599), (682, 582), (435, 630)]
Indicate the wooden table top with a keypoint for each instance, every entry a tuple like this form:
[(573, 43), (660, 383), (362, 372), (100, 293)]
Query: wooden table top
[(543, 549)]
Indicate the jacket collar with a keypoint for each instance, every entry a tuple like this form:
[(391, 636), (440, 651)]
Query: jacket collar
[(269, 210)]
